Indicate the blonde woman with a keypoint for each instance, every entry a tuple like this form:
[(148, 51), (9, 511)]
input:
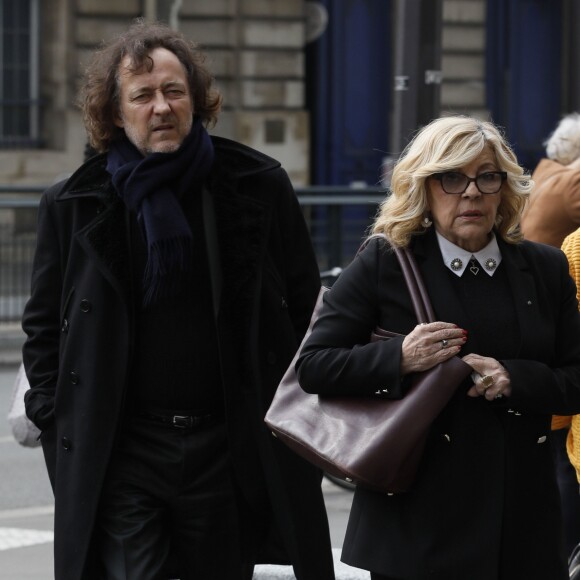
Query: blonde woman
[(485, 503)]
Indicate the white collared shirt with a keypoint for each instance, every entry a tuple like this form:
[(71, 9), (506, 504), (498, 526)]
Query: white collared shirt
[(457, 259)]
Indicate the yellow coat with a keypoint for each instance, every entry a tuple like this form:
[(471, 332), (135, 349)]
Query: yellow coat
[(571, 247)]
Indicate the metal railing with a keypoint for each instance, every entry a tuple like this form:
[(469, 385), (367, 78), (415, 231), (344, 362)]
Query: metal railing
[(337, 217)]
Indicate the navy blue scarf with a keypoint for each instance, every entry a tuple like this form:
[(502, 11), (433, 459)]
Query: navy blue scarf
[(151, 187)]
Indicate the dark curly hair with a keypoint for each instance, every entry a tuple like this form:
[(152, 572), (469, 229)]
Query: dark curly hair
[(99, 96)]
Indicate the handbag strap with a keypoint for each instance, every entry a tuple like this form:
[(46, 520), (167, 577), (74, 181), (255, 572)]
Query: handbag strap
[(419, 296), (417, 290)]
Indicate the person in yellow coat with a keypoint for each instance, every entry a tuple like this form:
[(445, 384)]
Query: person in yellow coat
[(571, 247)]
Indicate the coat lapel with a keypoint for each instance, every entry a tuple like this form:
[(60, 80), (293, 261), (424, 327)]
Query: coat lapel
[(242, 228), (106, 242), (104, 237), (525, 295), (242, 217)]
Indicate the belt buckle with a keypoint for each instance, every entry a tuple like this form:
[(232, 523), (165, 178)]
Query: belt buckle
[(182, 421)]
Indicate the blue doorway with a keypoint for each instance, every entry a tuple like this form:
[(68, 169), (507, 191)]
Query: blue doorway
[(349, 81), (349, 84)]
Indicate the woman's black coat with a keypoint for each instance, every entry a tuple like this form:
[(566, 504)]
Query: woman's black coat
[(79, 322), (485, 504)]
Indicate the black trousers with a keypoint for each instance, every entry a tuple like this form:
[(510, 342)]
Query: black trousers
[(169, 508), (568, 486)]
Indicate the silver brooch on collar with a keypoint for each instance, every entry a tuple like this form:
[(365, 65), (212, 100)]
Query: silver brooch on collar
[(456, 264), (490, 264)]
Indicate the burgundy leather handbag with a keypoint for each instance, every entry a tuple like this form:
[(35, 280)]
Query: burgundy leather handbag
[(374, 442)]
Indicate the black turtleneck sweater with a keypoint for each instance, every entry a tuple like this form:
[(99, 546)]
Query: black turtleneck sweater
[(175, 363)]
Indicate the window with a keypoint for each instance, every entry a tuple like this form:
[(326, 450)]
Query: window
[(19, 104)]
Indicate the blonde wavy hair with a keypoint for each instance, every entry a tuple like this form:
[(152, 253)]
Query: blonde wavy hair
[(447, 144)]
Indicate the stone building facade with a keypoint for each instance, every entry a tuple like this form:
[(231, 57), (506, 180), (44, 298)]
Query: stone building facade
[(259, 53), (255, 50)]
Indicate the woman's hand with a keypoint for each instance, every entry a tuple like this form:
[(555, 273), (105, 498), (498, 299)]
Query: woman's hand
[(430, 344), (491, 381)]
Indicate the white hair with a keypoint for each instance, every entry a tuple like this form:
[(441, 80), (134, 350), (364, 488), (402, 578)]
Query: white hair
[(563, 145)]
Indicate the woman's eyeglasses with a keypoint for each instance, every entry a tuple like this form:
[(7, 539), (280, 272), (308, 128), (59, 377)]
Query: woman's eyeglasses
[(453, 182)]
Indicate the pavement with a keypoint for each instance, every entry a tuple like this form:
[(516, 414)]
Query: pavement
[(11, 339), (342, 571)]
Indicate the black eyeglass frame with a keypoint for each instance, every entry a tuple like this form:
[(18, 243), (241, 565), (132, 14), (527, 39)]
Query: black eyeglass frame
[(439, 177)]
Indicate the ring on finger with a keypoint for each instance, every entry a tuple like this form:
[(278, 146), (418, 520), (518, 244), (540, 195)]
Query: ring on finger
[(487, 381), (444, 343), (498, 396)]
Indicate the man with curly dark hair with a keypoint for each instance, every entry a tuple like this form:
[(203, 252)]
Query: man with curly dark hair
[(173, 281)]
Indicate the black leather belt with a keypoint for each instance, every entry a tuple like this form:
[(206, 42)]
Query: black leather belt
[(180, 421)]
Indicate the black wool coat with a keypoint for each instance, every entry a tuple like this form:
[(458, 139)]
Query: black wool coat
[(485, 504), (79, 322)]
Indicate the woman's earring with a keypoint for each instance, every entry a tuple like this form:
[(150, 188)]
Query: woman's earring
[(426, 222)]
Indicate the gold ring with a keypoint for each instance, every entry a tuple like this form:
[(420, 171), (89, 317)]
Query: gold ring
[(487, 381)]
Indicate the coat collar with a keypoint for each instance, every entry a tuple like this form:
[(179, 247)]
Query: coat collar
[(243, 221), (521, 280), (233, 161), (89, 180), (457, 259), (240, 161)]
